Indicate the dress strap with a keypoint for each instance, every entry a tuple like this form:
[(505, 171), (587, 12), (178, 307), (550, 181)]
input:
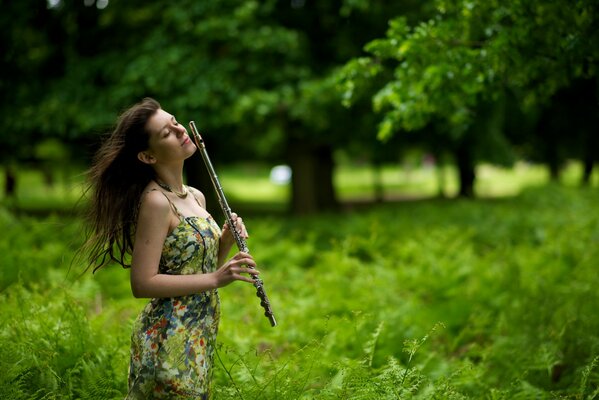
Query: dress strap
[(173, 206)]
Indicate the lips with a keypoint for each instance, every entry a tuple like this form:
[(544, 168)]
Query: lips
[(187, 140)]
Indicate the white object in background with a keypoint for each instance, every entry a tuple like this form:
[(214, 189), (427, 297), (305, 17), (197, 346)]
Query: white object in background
[(280, 174)]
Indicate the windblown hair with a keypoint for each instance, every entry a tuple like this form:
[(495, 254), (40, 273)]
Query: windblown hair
[(117, 179)]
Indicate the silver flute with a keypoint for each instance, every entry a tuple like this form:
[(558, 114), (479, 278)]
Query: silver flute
[(241, 243)]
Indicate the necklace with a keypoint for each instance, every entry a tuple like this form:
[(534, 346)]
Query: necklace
[(166, 187)]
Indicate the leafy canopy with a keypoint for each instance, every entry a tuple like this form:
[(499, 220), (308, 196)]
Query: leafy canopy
[(470, 52)]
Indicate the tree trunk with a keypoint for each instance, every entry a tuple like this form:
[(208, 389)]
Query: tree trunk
[(439, 166), (10, 182), (550, 147), (553, 170), (465, 163), (326, 198), (587, 171), (312, 186), (590, 151), (441, 182)]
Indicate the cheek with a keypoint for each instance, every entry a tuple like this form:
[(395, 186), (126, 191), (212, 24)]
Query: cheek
[(160, 151), (153, 141), (165, 147)]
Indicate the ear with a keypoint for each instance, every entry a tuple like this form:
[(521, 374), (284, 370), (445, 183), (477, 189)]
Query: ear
[(146, 157)]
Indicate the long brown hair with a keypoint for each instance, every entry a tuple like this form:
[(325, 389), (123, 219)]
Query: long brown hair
[(116, 181)]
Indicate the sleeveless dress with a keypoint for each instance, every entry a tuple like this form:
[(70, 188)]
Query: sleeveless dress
[(173, 339)]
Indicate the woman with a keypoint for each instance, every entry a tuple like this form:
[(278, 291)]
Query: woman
[(141, 208)]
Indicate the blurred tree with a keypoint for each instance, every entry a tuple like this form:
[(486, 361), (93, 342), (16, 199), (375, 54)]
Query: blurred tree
[(457, 67), (568, 127), (196, 58), (303, 117), (51, 84), (258, 77), (28, 39)]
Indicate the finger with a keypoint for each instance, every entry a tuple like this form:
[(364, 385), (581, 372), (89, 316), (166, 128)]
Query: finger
[(240, 227), (250, 263), (234, 218), (241, 259), (242, 232), (244, 270), (245, 279), (238, 223), (242, 254)]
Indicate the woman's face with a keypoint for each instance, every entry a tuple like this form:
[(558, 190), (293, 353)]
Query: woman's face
[(168, 139)]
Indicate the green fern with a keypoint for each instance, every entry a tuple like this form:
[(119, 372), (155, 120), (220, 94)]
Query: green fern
[(589, 384)]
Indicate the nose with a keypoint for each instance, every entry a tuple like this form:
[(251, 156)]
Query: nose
[(180, 130)]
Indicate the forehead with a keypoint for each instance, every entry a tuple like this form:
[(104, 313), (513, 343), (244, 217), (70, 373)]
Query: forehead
[(158, 121)]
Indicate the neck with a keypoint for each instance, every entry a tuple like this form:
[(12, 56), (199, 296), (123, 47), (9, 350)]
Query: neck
[(172, 177)]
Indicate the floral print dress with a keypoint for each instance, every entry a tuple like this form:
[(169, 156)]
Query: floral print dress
[(173, 339)]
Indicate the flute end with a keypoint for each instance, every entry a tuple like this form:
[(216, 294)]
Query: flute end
[(197, 138), (273, 321)]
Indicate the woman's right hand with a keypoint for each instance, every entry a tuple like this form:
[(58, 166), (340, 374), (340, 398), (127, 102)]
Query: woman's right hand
[(233, 269)]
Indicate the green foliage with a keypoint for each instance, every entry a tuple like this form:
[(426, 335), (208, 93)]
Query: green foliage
[(29, 246), (255, 75), (423, 300), (469, 53), (191, 56), (51, 350)]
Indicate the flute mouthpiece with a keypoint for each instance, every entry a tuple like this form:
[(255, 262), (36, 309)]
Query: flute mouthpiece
[(197, 138)]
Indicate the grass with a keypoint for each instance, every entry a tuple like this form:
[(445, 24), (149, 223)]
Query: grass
[(352, 182), (452, 299)]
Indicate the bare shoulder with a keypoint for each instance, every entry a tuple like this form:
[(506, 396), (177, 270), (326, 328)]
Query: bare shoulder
[(154, 202), (198, 195)]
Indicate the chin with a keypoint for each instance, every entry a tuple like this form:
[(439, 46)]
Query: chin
[(192, 151)]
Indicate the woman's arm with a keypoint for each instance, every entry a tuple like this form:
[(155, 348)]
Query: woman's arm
[(153, 226)]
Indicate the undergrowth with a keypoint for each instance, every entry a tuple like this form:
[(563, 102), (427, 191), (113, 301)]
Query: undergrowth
[(458, 299)]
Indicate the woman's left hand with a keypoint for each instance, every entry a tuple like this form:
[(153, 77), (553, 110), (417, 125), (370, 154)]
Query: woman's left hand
[(227, 237)]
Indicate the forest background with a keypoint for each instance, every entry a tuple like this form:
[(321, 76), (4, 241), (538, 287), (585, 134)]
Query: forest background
[(438, 229)]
